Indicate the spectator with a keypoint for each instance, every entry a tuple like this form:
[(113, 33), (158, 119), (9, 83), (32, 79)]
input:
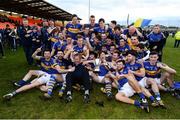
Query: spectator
[(1, 44), (45, 35), (24, 34), (7, 37), (156, 41), (177, 40)]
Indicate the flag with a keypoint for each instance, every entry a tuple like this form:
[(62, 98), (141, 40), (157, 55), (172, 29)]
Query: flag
[(128, 20), (142, 22)]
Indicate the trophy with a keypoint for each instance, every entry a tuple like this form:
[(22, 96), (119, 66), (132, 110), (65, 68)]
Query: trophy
[(97, 64)]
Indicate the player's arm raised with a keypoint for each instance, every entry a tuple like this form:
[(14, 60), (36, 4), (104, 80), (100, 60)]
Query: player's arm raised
[(86, 50), (35, 56), (89, 44), (67, 54), (53, 49)]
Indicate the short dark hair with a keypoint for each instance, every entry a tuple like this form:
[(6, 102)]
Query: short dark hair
[(79, 36), (7, 25), (100, 52), (78, 55), (117, 52), (74, 15), (46, 50), (113, 45), (121, 61), (141, 46), (93, 53), (135, 36), (98, 36), (68, 36), (113, 22), (60, 51), (117, 27), (109, 37), (132, 52), (92, 16), (156, 25), (101, 19), (153, 53)]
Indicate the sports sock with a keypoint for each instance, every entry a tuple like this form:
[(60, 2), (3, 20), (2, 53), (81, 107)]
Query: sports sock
[(158, 96), (87, 92), (14, 93), (152, 98), (22, 82), (137, 103), (108, 87), (63, 86), (68, 92), (141, 95), (51, 84)]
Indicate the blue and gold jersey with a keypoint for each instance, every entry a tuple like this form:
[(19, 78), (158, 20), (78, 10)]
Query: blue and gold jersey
[(152, 71), (57, 46), (63, 48), (135, 67), (48, 66), (90, 26), (124, 48), (54, 38), (103, 70), (99, 30), (63, 63), (123, 80), (73, 30), (141, 55), (78, 49)]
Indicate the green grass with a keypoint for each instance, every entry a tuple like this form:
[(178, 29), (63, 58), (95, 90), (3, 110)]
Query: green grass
[(28, 104)]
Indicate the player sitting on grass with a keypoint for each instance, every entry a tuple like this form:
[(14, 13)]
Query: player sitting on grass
[(121, 81), (48, 73), (63, 64), (153, 70), (100, 77), (138, 71)]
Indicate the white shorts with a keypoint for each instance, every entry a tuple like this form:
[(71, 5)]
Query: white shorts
[(127, 90), (143, 82), (40, 72), (44, 79), (157, 80), (100, 79)]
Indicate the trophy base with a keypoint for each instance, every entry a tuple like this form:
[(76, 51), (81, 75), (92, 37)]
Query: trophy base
[(96, 70)]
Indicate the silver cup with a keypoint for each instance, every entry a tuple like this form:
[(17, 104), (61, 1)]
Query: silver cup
[(97, 64)]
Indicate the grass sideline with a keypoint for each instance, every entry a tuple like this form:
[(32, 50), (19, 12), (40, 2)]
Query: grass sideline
[(28, 104)]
